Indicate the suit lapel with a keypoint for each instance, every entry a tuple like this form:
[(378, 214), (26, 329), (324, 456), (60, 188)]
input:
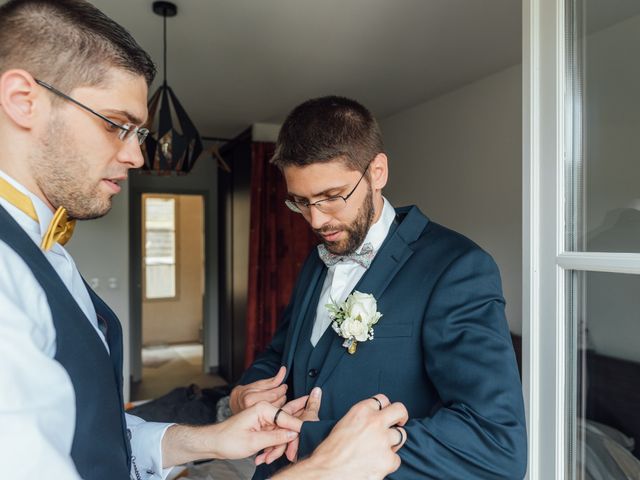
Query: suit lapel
[(303, 347), (393, 254), (300, 310)]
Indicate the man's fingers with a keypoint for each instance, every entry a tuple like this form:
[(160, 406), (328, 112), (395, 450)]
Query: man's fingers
[(274, 394), (275, 453), (272, 382), (396, 463), (292, 450), (279, 378), (397, 437), (254, 396), (259, 460), (281, 402), (286, 421), (272, 438), (395, 414), (313, 404), (378, 401), (294, 406)]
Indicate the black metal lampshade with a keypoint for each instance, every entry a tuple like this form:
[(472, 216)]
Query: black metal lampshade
[(173, 144)]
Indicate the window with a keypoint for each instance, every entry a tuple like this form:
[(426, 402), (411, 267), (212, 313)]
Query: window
[(582, 237), (602, 222), (159, 246)]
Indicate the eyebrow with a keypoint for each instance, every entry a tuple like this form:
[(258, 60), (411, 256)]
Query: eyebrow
[(324, 193), (128, 115)]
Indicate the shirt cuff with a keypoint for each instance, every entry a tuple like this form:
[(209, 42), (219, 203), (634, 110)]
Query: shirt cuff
[(146, 448)]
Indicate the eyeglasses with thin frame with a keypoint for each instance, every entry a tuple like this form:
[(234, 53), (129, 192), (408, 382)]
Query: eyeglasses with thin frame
[(328, 205), (127, 130)]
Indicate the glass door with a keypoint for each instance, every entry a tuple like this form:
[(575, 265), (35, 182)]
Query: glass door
[(582, 238)]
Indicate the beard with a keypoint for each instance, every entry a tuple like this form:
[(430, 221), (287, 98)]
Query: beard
[(356, 231), (64, 176)]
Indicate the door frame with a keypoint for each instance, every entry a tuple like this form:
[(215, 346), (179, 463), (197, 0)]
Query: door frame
[(135, 274)]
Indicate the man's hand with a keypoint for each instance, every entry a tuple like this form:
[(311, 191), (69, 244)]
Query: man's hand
[(270, 390), (240, 436), (304, 408), (362, 445), (309, 414)]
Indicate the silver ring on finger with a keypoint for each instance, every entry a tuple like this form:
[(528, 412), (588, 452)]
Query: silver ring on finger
[(379, 402), (397, 429)]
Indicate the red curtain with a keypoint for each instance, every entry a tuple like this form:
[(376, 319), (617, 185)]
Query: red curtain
[(279, 242)]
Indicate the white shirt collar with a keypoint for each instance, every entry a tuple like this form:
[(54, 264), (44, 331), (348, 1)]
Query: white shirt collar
[(379, 230), (45, 215)]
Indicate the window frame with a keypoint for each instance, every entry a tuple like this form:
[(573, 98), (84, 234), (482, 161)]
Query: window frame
[(176, 264), (551, 113)]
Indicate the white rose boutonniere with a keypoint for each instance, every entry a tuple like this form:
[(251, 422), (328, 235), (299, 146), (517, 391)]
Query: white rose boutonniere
[(354, 319)]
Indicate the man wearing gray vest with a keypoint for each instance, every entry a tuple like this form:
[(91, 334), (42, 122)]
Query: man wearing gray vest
[(73, 99)]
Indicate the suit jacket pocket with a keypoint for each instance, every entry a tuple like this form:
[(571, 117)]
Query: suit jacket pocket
[(385, 330)]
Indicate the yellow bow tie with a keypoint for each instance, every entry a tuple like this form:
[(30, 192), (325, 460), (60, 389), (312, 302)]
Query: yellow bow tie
[(61, 227)]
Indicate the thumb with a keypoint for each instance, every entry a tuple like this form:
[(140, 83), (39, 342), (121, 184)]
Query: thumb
[(313, 404), (272, 382), (279, 378), (276, 380), (272, 438)]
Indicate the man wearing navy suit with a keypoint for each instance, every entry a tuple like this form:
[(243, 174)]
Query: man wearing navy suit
[(442, 346)]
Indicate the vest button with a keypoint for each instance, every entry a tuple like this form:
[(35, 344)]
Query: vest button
[(313, 373)]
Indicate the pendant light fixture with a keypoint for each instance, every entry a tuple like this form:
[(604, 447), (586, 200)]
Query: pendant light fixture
[(174, 144)]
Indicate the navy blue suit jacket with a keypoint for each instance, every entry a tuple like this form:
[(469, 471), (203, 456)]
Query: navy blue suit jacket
[(442, 348)]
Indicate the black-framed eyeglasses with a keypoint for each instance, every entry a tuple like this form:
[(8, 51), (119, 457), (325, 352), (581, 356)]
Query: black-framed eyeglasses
[(127, 130), (328, 205)]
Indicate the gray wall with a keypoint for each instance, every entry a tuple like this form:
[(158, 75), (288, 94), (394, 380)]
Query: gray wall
[(459, 158)]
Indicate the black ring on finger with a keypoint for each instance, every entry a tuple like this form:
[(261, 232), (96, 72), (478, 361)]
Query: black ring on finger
[(379, 402), (275, 417), (397, 429)]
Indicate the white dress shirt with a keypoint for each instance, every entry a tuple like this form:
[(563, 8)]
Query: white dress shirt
[(343, 276), (37, 399)]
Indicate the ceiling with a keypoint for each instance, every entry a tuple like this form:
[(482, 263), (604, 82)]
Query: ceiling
[(235, 62)]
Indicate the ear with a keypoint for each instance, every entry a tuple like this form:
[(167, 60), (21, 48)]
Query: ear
[(379, 171), (18, 95)]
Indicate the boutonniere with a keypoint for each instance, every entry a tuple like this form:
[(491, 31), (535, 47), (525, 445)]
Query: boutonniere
[(354, 319)]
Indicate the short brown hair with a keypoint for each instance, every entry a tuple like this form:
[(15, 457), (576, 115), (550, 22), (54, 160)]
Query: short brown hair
[(325, 129), (68, 43)]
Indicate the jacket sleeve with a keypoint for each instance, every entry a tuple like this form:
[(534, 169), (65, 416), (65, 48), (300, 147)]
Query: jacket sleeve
[(312, 434), (479, 431)]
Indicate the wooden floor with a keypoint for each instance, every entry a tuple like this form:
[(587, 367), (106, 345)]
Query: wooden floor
[(170, 366)]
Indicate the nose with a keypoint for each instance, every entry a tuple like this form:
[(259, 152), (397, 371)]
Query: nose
[(131, 153), (316, 218)]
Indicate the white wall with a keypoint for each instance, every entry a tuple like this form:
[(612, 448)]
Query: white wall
[(459, 158)]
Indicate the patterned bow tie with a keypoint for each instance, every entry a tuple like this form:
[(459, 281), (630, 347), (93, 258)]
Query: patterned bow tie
[(364, 258), (60, 228)]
